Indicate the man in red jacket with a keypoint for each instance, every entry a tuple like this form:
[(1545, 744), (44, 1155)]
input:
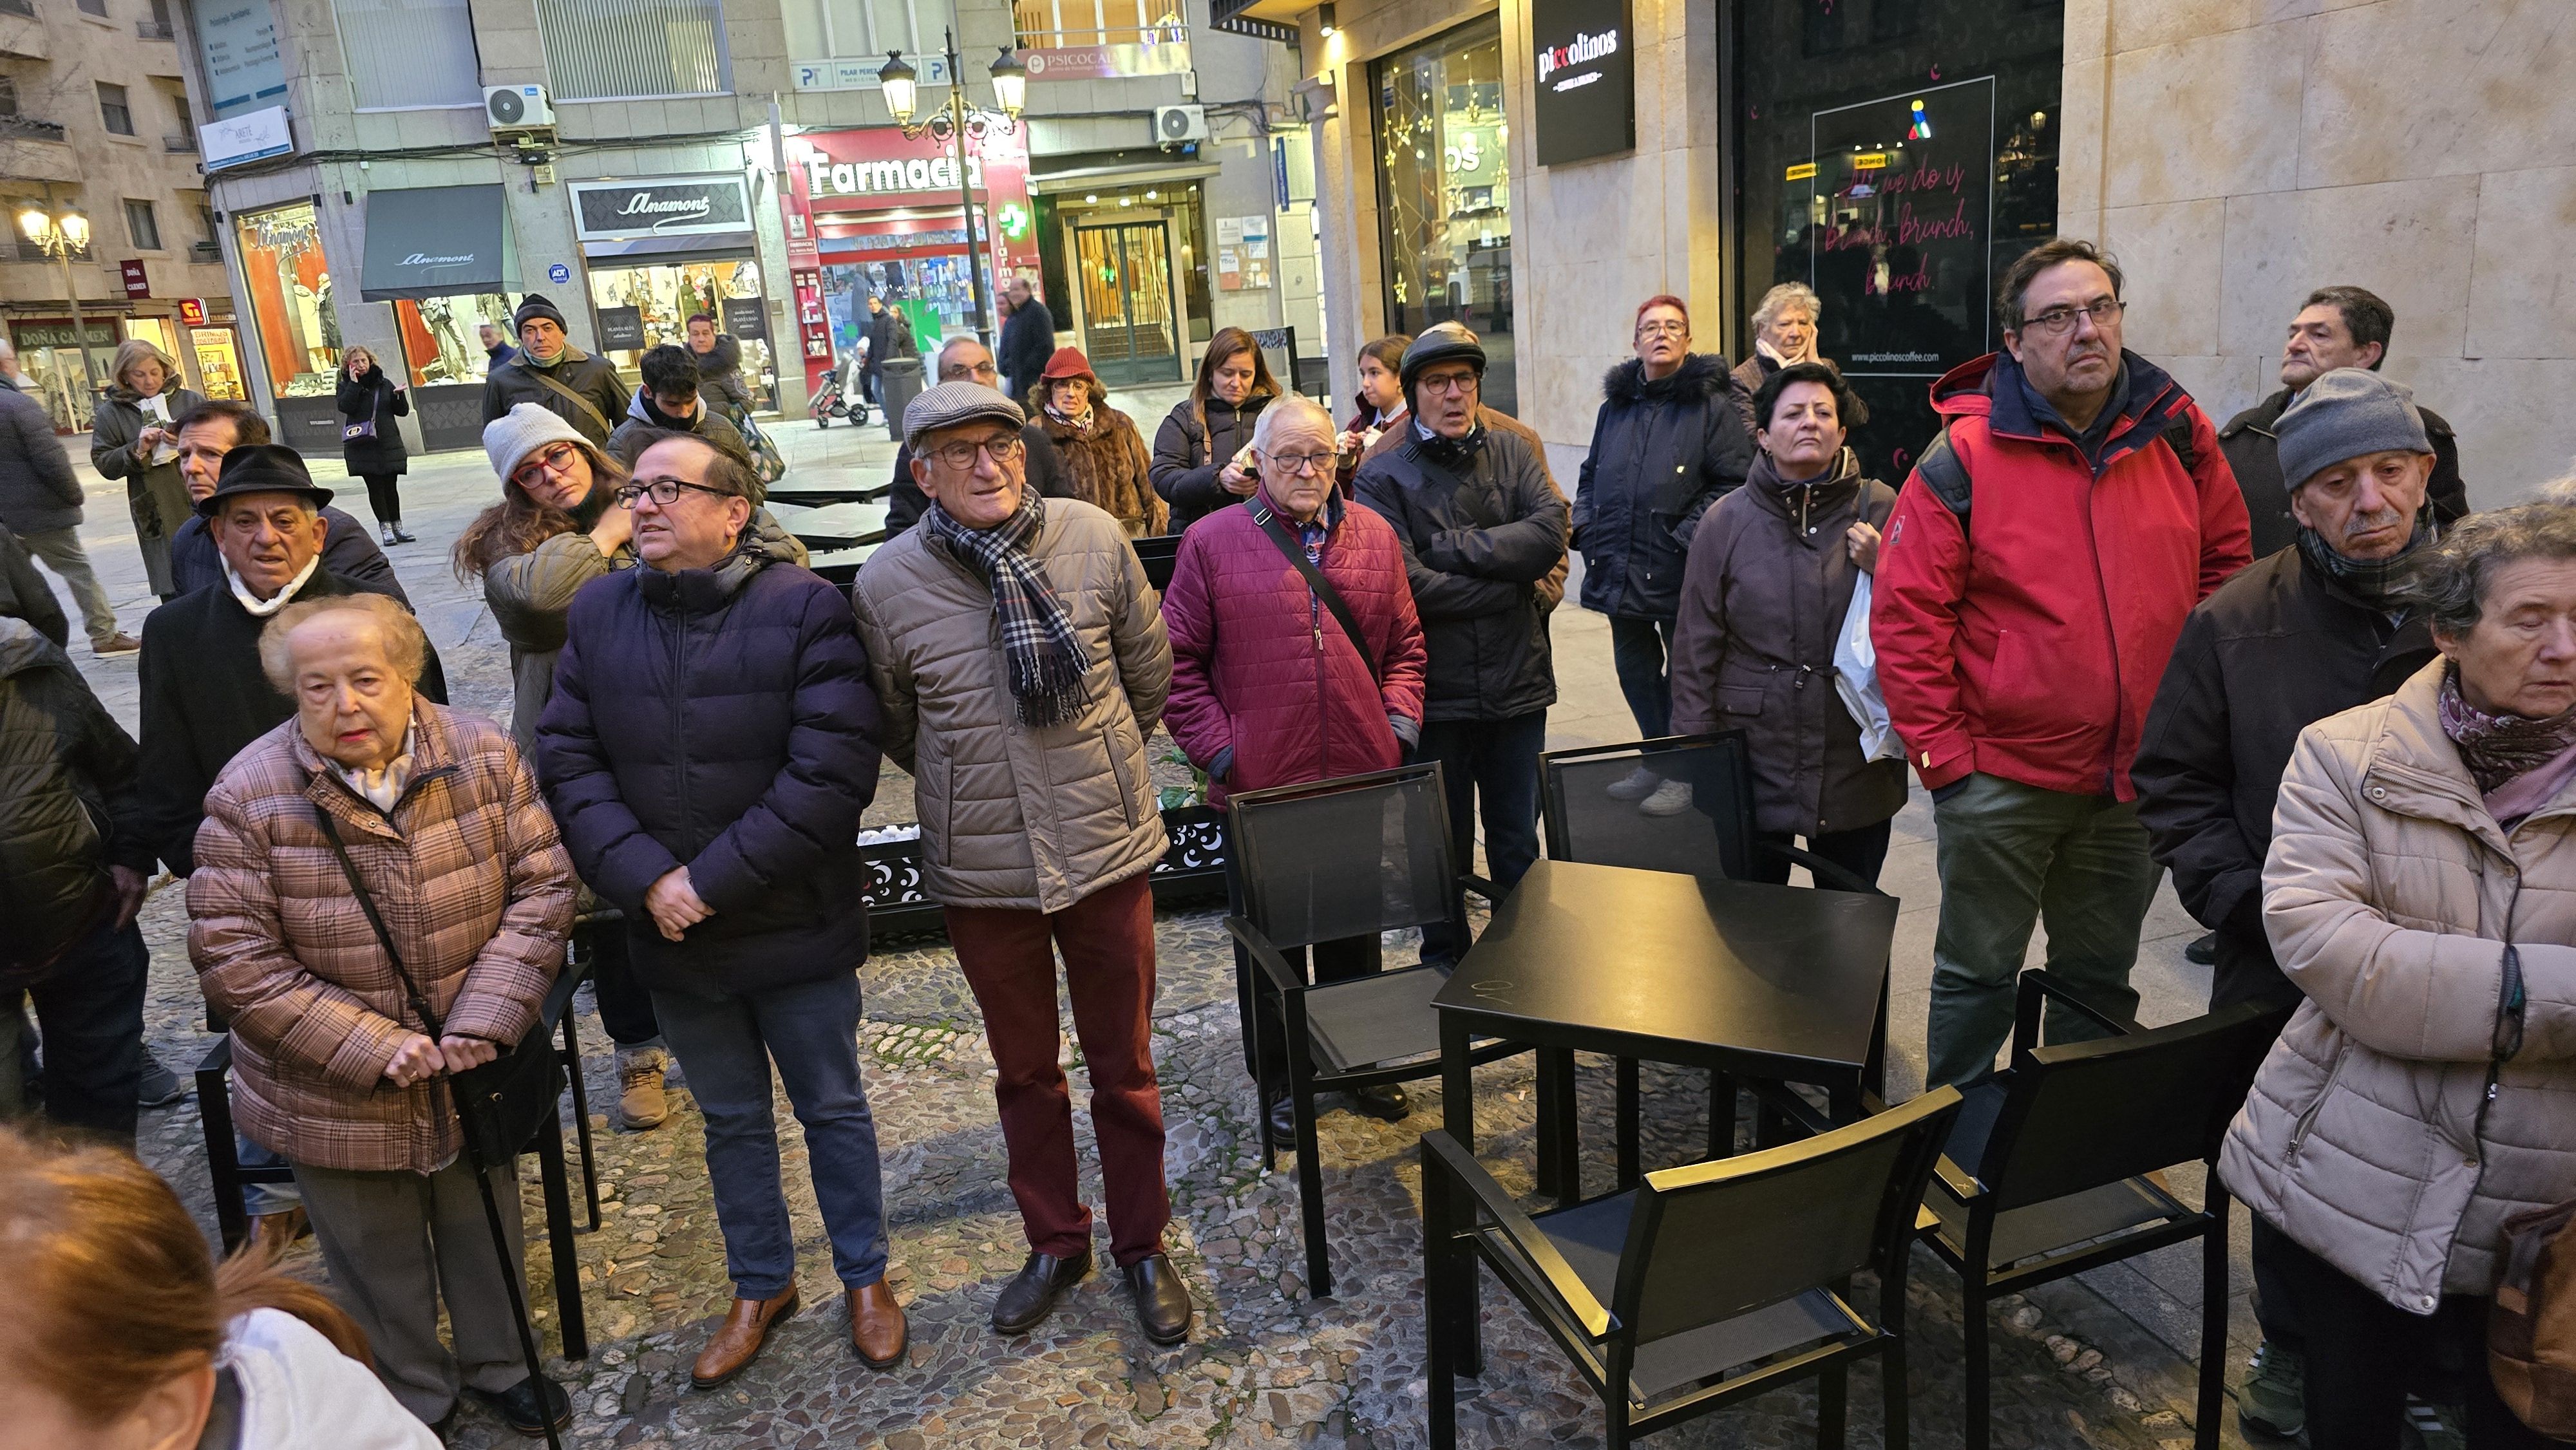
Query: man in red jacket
[(2038, 568)]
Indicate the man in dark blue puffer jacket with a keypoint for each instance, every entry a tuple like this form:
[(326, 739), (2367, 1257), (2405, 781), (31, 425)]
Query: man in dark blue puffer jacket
[(711, 744)]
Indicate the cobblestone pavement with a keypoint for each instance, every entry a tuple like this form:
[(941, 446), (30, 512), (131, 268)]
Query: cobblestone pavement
[(1267, 1363)]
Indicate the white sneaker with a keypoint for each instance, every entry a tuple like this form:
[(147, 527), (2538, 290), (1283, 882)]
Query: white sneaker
[(1636, 785), (1670, 799)]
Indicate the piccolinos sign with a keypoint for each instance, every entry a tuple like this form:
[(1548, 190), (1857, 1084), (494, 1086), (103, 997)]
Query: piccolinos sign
[(1586, 92)]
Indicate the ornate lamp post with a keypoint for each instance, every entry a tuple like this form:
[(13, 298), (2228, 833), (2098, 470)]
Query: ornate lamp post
[(954, 124), (59, 234)]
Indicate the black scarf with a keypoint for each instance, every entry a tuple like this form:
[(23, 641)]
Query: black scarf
[(2379, 583), (1458, 455)]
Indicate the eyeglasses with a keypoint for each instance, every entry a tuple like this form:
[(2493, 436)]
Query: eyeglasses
[(2059, 321), (1663, 329), (665, 491), (1449, 382), (557, 459), (1001, 448), (961, 372), (1302, 462)]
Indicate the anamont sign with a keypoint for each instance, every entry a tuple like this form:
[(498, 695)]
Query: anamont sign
[(662, 207)]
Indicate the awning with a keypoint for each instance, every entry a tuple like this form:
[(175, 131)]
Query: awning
[(1093, 178), (438, 241)]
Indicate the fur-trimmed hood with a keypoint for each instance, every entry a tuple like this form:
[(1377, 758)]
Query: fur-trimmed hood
[(1701, 372)]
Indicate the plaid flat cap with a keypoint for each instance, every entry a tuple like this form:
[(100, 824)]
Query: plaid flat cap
[(950, 404)]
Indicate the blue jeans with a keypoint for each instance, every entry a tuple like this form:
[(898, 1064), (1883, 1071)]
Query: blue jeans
[(725, 1045), (1640, 650), (1494, 762)]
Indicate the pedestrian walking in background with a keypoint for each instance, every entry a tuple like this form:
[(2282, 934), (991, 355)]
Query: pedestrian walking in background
[(2337, 327), (550, 372), (74, 862), (1267, 688), (371, 441), (962, 359), (1381, 403), (2036, 573), (1201, 459), (888, 336), (2418, 890), (1480, 526), (1769, 583), (709, 750), (372, 795), (120, 1329), (205, 434), (1666, 445), (670, 402), (719, 359), (1028, 343), (2308, 632), (132, 438), (1784, 332), (1104, 456), (40, 502), (496, 345), (1020, 658)]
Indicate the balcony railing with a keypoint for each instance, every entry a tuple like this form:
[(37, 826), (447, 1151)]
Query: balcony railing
[(205, 252), (1227, 15), (1065, 24), (24, 128), (152, 29), (30, 252), (180, 145)]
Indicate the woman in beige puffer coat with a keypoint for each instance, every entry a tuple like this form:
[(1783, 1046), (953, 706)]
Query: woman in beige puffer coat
[(2421, 890)]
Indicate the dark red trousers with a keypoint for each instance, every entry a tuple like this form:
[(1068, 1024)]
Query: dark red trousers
[(1009, 959)]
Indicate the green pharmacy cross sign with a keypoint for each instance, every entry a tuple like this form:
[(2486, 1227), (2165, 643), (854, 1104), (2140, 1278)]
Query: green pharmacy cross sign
[(1014, 219)]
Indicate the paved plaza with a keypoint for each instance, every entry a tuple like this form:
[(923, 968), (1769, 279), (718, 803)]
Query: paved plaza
[(2100, 1361)]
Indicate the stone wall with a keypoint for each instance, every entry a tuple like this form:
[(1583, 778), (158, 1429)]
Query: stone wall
[(2235, 154)]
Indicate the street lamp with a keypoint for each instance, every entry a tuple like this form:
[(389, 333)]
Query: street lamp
[(59, 234), (953, 125)]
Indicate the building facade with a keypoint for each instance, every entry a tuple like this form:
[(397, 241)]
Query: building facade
[(735, 157), (1539, 167), (95, 115)]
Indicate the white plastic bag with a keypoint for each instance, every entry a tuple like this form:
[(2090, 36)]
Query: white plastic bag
[(1856, 680)]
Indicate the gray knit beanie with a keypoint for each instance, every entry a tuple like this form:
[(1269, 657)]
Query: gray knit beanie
[(950, 404), (527, 427), (2345, 414)]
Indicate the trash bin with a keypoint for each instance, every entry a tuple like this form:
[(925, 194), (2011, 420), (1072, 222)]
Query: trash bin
[(898, 383)]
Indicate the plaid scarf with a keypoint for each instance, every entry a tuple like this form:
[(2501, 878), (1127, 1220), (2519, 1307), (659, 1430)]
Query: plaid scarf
[(2498, 748), (1037, 638)]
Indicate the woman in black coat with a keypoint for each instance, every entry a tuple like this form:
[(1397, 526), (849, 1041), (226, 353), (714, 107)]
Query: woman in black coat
[(370, 441), (1196, 450)]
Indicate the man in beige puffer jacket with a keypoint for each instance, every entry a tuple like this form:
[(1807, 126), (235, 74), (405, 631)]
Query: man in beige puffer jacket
[(2421, 891), (1020, 662)]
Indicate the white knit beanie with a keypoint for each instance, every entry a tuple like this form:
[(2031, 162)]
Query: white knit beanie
[(527, 427)]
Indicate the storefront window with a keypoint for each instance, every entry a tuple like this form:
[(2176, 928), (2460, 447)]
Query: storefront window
[(290, 299), (643, 307), (219, 370), (441, 337), (50, 353), (930, 286), (1444, 193)]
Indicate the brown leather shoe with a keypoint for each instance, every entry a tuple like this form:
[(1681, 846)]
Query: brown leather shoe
[(737, 1341), (877, 1329)]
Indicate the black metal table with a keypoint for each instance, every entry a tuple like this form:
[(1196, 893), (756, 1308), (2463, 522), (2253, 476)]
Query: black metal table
[(826, 495), (1758, 981)]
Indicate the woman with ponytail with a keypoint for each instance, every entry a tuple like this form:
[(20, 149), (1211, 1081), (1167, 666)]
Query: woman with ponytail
[(122, 1333)]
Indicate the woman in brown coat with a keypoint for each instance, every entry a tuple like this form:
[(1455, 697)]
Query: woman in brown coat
[(333, 1069), (1103, 453), (1770, 577), (2421, 891)]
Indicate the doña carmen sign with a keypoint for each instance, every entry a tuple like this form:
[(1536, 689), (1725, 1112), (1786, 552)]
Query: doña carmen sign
[(1587, 79)]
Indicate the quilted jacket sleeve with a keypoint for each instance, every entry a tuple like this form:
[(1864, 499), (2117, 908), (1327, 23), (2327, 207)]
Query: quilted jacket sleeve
[(1178, 474), (1699, 633), (508, 981), (890, 673), (1407, 661), (530, 593), (609, 846), (1194, 716)]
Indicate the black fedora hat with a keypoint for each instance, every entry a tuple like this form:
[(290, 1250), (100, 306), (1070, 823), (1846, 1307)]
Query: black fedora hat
[(263, 468)]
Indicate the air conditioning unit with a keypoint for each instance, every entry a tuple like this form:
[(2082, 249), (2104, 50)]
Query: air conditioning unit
[(517, 108), (1176, 124)]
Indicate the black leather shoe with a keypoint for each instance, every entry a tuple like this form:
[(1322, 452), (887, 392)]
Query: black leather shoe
[(517, 1405), (1386, 1102), (2203, 949), (1283, 1122), (1032, 1292), (1162, 1300)]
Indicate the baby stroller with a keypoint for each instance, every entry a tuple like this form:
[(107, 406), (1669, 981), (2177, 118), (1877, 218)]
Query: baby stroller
[(832, 400)]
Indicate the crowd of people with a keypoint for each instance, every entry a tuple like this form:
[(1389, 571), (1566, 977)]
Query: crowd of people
[(2279, 658)]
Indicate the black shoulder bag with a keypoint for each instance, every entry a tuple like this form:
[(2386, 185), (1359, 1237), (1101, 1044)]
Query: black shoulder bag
[(1323, 587)]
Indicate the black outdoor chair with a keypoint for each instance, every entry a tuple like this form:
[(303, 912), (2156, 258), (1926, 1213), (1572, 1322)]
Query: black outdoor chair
[(1309, 876), (2048, 1170), (227, 1175), (1704, 1285), (1714, 837), (1160, 554)]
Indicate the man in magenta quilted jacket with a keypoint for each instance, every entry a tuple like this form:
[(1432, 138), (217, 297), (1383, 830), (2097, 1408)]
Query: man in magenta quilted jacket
[(1267, 689)]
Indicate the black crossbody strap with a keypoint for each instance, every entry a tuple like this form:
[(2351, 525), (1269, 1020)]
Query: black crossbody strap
[(367, 904), (578, 401), (1315, 580)]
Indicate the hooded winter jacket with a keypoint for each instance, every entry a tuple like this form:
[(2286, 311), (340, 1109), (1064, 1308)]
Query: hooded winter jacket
[(627, 442), (1478, 535), (2372, 1136), (68, 808), (1031, 818), (1662, 452), (1260, 667), (2025, 638), (719, 719), (1193, 446), (1769, 581)]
